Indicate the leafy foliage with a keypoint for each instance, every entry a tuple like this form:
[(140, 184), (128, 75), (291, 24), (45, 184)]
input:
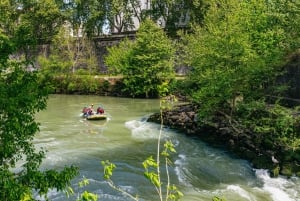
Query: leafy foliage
[(238, 51), (22, 94), (102, 16), (6, 47), (151, 175), (108, 169), (87, 196), (30, 23), (235, 58), (216, 198), (118, 56), (176, 15), (67, 54), (146, 64), (272, 122), (152, 167)]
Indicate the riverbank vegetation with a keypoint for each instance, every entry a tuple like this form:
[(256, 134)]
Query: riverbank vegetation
[(147, 64), (236, 59), (22, 94)]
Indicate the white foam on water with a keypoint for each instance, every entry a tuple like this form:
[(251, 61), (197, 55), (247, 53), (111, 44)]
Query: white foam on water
[(180, 168), (51, 193), (241, 192), (48, 144), (44, 140), (142, 130), (280, 189), (53, 159), (271, 189)]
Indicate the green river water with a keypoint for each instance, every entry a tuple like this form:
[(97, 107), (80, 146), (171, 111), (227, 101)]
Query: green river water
[(126, 139)]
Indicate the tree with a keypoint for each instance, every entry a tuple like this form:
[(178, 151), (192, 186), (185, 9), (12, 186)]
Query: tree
[(93, 15), (44, 19), (22, 94), (238, 51), (124, 15), (68, 53), (146, 64), (175, 15), (84, 16), (30, 23)]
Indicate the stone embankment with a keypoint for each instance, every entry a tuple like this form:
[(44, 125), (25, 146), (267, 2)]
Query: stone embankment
[(261, 152)]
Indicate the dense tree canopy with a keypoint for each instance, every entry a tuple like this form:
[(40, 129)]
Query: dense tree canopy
[(30, 23), (239, 50), (147, 63), (235, 59), (22, 94), (175, 15), (42, 19)]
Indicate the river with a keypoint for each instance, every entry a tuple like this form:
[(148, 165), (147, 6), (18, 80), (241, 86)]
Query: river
[(126, 139)]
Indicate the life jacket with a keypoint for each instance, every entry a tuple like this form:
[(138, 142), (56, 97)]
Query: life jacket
[(87, 110), (90, 111), (100, 110)]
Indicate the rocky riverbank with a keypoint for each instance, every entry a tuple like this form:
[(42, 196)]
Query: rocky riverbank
[(261, 152)]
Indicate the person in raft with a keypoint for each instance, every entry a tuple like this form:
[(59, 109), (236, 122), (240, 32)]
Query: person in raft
[(100, 110), (88, 110), (91, 109)]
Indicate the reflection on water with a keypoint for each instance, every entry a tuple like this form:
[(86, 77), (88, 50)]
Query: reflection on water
[(126, 139)]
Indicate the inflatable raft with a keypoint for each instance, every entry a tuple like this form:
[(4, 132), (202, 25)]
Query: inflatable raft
[(96, 117), (90, 114)]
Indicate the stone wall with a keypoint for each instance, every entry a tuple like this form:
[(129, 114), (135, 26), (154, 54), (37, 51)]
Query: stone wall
[(102, 42)]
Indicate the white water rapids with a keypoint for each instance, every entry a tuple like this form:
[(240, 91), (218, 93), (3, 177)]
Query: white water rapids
[(126, 139)]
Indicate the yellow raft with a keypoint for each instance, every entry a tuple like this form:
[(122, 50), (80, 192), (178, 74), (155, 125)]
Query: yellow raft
[(96, 117)]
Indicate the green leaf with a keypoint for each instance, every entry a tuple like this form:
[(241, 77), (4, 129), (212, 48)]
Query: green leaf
[(108, 169)]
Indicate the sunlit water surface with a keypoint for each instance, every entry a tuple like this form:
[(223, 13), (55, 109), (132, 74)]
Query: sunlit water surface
[(126, 139)]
